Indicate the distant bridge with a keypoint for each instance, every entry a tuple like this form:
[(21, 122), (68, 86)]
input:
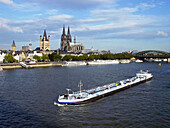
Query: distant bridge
[(152, 54)]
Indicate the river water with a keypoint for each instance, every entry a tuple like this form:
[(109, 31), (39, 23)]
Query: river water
[(27, 96)]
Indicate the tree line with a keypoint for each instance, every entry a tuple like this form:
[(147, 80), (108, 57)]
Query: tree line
[(57, 57), (10, 59), (108, 56)]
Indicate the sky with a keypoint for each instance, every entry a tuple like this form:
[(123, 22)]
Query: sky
[(115, 25)]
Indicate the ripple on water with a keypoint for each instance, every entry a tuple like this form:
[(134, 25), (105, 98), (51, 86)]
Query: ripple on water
[(26, 97)]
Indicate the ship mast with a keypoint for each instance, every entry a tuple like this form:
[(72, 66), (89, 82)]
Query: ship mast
[(80, 85)]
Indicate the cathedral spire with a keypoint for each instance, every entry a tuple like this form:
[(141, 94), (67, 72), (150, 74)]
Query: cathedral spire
[(68, 33), (63, 29), (45, 35), (13, 44)]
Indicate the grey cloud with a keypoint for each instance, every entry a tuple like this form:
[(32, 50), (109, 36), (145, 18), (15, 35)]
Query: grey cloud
[(136, 36), (72, 4)]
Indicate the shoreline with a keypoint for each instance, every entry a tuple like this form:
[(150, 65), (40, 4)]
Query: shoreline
[(36, 65), (7, 66)]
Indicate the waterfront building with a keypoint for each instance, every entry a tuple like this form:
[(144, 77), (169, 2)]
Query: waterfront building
[(2, 55), (90, 51), (25, 48), (67, 45), (45, 42), (22, 56), (33, 53), (16, 57), (13, 46)]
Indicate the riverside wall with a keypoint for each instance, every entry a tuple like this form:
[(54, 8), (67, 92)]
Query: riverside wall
[(36, 65)]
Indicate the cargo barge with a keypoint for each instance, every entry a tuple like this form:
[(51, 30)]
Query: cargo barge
[(85, 96)]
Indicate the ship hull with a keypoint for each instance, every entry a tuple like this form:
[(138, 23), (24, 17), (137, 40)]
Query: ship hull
[(104, 95)]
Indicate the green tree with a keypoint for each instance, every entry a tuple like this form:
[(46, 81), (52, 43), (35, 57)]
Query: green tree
[(107, 56), (97, 57), (76, 58), (116, 56), (38, 58), (128, 56), (51, 56), (9, 58), (44, 57), (67, 57), (91, 57), (54, 57), (85, 57), (57, 57)]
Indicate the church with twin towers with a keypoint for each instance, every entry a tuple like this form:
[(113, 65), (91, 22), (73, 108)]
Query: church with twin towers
[(66, 42)]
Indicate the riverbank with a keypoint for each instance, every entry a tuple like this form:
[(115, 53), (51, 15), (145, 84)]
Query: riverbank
[(64, 63), (36, 65)]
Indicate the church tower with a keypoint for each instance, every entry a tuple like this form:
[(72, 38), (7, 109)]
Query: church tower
[(67, 45), (64, 42), (13, 46), (69, 35), (74, 39), (44, 42)]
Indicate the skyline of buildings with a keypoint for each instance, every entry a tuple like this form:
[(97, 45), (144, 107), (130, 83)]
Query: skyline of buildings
[(66, 44)]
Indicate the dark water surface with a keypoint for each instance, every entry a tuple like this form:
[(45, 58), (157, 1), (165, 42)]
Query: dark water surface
[(27, 96)]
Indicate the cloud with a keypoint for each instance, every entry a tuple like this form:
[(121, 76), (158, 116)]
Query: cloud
[(51, 12), (60, 17), (108, 20), (8, 2), (161, 33), (24, 6), (92, 20), (73, 4), (108, 23), (144, 6), (4, 25)]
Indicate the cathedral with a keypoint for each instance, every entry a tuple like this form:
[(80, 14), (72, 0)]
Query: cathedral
[(67, 45), (44, 42)]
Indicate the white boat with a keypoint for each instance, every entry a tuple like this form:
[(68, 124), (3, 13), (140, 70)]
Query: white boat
[(139, 61), (24, 65), (84, 96), (157, 60), (32, 62), (124, 61), (74, 63), (103, 62), (164, 60)]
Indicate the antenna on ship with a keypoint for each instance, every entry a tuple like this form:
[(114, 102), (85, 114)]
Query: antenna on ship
[(68, 90), (80, 85)]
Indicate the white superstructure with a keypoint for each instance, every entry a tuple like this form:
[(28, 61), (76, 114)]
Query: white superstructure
[(124, 61), (74, 63), (139, 61), (103, 62)]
